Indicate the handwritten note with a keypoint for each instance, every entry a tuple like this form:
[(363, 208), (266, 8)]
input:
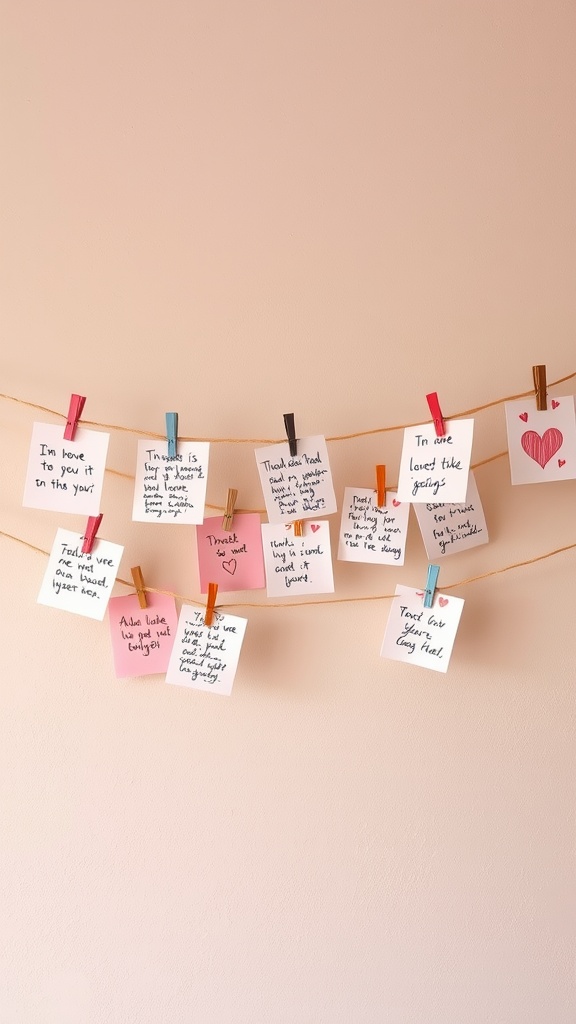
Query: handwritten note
[(142, 638), (435, 468), (297, 565), (65, 476), (447, 529), (541, 444), (299, 486), (234, 559), (206, 657), (418, 635), (80, 583), (170, 489), (369, 533)]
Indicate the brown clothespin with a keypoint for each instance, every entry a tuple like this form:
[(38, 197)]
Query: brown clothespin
[(298, 525), (74, 414), (230, 505), (539, 374), (210, 603), (291, 433), (139, 584), (380, 486), (90, 534), (434, 406)]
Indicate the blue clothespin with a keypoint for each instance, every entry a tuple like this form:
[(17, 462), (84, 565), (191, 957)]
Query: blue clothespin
[(433, 571), (172, 432)]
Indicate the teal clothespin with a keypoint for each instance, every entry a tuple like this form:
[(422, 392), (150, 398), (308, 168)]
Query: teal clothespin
[(433, 572), (172, 432)]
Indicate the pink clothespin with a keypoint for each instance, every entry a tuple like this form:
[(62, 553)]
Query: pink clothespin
[(92, 528), (74, 414), (434, 405)]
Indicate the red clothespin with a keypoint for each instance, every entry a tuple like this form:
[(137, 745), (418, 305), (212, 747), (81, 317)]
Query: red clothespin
[(291, 433), (380, 486), (230, 505), (92, 528), (539, 374), (139, 585), (74, 414), (298, 525), (210, 603), (434, 405)]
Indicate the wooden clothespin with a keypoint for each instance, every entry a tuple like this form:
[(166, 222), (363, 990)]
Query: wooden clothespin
[(210, 603), (90, 533), (539, 374), (380, 486), (74, 414), (230, 506), (172, 433), (434, 405), (291, 433), (139, 584), (298, 525), (433, 572)]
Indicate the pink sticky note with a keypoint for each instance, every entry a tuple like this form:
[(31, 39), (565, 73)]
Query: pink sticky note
[(142, 638), (234, 559)]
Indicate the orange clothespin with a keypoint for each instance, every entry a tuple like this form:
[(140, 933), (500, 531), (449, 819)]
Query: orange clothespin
[(139, 584), (539, 374), (381, 486), (298, 525), (291, 432), (90, 534), (434, 405), (230, 505), (210, 603), (74, 414)]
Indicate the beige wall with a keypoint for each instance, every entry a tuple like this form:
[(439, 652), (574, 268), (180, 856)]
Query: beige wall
[(236, 209)]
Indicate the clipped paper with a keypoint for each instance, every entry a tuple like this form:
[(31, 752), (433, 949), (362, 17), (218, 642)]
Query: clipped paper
[(170, 488), (206, 657), (418, 635), (76, 582), (296, 486), (541, 443), (65, 476), (450, 528), (435, 468), (369, 533), (297, 565)]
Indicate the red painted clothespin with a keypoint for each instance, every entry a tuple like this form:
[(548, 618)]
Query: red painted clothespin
[(434, 405), (92, 528), (230, 506), (380, 486), (210, 603), (74, 414), (291, 433), (298, 525), (539, 374), (432, 580), (139, 585)]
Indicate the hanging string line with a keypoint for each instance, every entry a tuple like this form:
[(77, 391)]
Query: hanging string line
[(302, 604)]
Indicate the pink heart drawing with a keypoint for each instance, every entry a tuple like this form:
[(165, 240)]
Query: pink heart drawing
[(541, 449), (396, 503), (555, 404), (442, 601), (419, 593), (561, 462), (524, 416), (230, 566), (314, 527)]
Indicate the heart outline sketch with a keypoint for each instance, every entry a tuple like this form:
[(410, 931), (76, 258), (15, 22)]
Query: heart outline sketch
[(561, 462), (230, 566), (542, 448), (555, 404), (442, 601), (523, 416), (314, 527), (396, 503)]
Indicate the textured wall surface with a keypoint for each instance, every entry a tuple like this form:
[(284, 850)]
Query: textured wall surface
[(236, 209)]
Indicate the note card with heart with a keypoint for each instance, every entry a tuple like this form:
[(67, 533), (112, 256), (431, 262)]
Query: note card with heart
[(418, 635), (233, 559), (541, 444), (369, 533), (297, 565)]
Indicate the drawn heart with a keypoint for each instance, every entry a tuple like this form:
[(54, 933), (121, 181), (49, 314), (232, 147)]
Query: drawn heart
[(314, 527), (230, 566), (561, 462), (555, 404), (419, 593), (442, 601), (396, 503), (524, 416), (541, 449)]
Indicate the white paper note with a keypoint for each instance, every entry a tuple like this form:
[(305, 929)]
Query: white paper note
[(541, 445), (297, 565), (418, 635), (369, 533), (299, 486), (170, 489), (76, 582), (447, 529), (206, 657), (65, 476), (436, 468)]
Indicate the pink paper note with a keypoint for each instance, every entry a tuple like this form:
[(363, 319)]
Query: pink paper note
[(233, 560), (142, 638)]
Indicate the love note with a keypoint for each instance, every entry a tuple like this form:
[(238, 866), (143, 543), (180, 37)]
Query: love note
[(370, 533), (418, 635), (552, 433), (76, 582), (65, 476), (449, 528), (231, 558)]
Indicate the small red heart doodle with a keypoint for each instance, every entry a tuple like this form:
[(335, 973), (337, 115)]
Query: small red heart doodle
[(524, 416), (419, 593), (561, 462), (442, 601), (314, 527), (230, 566), (396, 503), (555, 404), (541, 449)]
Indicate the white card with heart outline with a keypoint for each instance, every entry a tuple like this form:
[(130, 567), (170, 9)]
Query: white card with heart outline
[(418, 635), (541, 445), (369, 533), (297, 565), (450, 528), (296, 486), (435, 468)]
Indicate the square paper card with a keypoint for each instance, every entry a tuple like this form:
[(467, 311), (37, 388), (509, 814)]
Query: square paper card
[(80, 583), (234, 559), (206, 657), (296, 486), (419, 635), (436, 468), (170, 488), (541, 445), (65, 476), (297, 565), (447, 529), (369, 533), (142, 638)]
